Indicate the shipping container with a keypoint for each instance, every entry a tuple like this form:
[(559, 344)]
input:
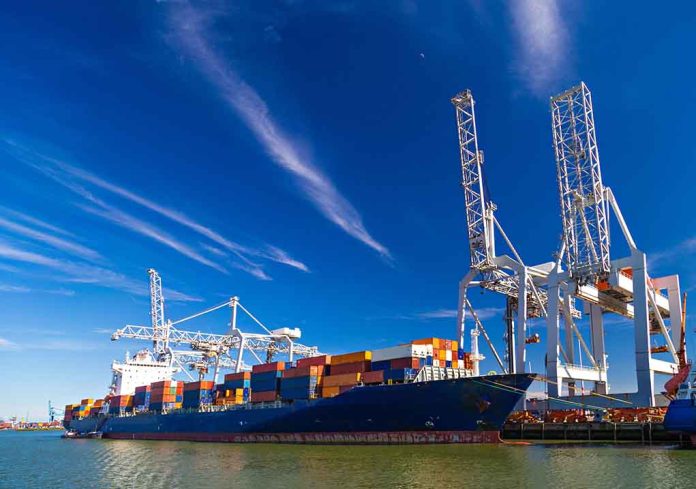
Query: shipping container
[(374, 377), (330, 391), (264, 396), (303, 371), (358, 356), (402, 351), (353, 367), (343, 379), (268, 367), (238, 376), (320, 360)]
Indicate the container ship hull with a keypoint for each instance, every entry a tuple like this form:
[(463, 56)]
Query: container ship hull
[(464, 410)]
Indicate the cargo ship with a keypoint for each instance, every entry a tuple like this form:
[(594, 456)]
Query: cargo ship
[(398, 395)]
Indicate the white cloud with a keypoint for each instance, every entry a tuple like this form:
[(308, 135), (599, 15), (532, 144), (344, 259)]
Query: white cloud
[(686, 247), (66, 174), (136, 225), (482, 313), (14, 288), (36, 222), (8, 345), (542, 44), (86, 273), (189, 32), (53, 241)]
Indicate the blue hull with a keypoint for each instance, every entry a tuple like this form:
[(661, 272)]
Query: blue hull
[(423, 412), (681, 416)]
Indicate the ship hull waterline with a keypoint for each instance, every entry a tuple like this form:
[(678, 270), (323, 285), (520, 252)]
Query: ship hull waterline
[(466, 410)]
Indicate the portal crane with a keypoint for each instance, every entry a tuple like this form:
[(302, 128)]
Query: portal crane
[(604, 285), (509, 276)]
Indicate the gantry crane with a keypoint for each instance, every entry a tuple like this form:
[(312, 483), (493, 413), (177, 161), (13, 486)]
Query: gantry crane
[(210, 349), (519, 283), (620, 286)]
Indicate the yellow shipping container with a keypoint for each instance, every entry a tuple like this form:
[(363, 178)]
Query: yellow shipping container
[(358, 356), (330, 391), (87, 402), (342, 379), (455, 345)]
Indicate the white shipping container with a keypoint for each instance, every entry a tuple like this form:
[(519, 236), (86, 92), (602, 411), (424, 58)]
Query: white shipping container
[(436, 363), (402, 351), (448, 355), (460, 363)]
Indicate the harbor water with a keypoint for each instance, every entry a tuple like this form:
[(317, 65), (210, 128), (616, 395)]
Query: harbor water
[(43, 459)]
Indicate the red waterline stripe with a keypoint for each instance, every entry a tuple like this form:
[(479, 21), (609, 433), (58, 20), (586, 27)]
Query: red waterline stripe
[(358, 438)]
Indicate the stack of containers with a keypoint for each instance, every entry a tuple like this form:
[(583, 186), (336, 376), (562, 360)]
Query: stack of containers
[(96, 407), (398, 363), (84, 408), (198, 394), (68, 412), (445, 352), (121, 404), (301, 382), (166, 394), (141, 398), (235, 390), (345, 372), (265, 379)]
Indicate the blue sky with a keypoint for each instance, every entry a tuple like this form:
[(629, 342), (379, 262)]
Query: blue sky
[(303, 156)]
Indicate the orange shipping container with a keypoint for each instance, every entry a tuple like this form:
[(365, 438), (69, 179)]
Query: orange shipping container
[(343, 379), (330, 391), (427, 341), (87, 402), (264, 396), (358, 356)]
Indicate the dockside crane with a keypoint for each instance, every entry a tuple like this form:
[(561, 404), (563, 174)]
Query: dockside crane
[(503, 274), (620, 286)]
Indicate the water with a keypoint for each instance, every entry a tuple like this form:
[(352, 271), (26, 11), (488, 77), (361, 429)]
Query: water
[(43, 460)]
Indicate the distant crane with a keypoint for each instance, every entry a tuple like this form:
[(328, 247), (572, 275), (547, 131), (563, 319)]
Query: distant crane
[(209, 349), (53, 413)]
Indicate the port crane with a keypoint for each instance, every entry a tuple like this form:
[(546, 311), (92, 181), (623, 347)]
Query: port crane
[(522, 285), (210, 349), (602, 284)]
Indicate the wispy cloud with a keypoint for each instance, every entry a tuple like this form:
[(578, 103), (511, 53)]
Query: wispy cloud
[(86, 273), (189, 32), (686, 247), (49, 239), (483, 313), (34, 221), (8, 345), (139, 226), (542, 44), (68, 175), (14, 288)]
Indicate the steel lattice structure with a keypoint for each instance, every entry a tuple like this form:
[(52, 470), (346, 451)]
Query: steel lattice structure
[(159, 327), (478, 218), (583, 205)]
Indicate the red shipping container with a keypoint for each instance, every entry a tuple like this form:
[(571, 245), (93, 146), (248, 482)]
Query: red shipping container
[(408, 362), (142, 388), (313, 370), (238, 376), (161, 384), (268, 367), (199, 386), (448, 345), (264, 396), (320, 360), (374, 377), (349, 368)]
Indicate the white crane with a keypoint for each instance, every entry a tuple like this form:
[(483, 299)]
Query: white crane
[(211, 349), (502, 274), (621, 286)]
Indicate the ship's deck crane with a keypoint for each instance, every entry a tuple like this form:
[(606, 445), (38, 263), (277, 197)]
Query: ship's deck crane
[(210, 349), (604, 285)]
